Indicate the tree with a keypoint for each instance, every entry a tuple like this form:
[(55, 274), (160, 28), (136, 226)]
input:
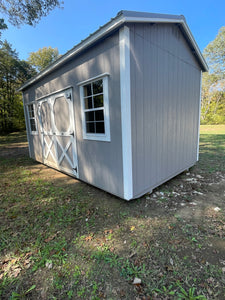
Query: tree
[(13, 73), (43, 57), (213, 83), (3, 26), (213, 100), (27, 11), (215, 54)]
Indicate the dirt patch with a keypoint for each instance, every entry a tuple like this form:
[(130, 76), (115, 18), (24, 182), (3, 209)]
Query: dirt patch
[(14, 150)]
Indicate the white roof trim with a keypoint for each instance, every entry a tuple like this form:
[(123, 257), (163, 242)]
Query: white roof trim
[(109, 27), (152, 20)]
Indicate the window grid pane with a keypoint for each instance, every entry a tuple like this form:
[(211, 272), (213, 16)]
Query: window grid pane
[(93, 100), (32, 119), (32, 124)]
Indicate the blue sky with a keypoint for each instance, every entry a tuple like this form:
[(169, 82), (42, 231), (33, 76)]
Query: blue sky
[(64, 28)]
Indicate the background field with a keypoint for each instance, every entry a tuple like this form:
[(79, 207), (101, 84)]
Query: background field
[(63, 239)]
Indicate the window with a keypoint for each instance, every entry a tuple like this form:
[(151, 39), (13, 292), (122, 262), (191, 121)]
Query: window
[(94, 103), (32, 119)]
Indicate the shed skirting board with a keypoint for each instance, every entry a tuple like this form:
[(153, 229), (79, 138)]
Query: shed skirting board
[(124, 43)]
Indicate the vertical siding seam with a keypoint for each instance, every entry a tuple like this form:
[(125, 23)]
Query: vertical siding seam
[(125, 87), (199, 118)]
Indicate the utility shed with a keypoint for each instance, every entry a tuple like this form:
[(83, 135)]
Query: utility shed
[(121, 109)]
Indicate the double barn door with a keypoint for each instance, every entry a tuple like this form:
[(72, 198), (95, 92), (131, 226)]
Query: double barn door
[(58, 135)]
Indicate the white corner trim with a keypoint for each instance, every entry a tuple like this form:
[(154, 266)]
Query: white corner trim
[(124, 44), (199, 117), (27, 125)]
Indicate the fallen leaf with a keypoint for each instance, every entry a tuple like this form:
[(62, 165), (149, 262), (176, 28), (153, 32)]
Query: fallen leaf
[(16, 272), (28, 254), (88, 238), (50, 238), (132, 228), (169, 268)]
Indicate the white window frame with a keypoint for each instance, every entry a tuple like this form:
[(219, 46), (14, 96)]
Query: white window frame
[(32, 118), (96, 136)]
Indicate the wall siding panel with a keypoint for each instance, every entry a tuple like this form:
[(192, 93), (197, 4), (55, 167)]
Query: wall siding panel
[(99, 163), (165, 93)]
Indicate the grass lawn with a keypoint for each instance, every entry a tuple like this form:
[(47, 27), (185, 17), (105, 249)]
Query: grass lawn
[(63, 239)]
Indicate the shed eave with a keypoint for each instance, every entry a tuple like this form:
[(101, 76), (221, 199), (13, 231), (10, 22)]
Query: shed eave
[(119, 20)]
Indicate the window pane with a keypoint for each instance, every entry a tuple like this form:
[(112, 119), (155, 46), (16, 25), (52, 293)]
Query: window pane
[(90, 127), (98, 101), (87, 90), (97, 87), (100, 128), (32, 125), (88, 103), (89, 116), (99, 115), (31, 110)]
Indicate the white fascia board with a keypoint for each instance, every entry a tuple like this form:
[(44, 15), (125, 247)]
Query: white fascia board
[(150, 20), (125, 92)]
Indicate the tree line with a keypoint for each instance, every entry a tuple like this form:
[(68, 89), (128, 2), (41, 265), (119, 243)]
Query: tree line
[(13, 71), (213, 82)]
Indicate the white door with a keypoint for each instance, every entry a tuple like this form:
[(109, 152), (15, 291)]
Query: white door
[(58, 132)]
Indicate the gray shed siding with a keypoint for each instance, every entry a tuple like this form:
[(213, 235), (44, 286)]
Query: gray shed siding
[(99, 163), (165, 93)]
